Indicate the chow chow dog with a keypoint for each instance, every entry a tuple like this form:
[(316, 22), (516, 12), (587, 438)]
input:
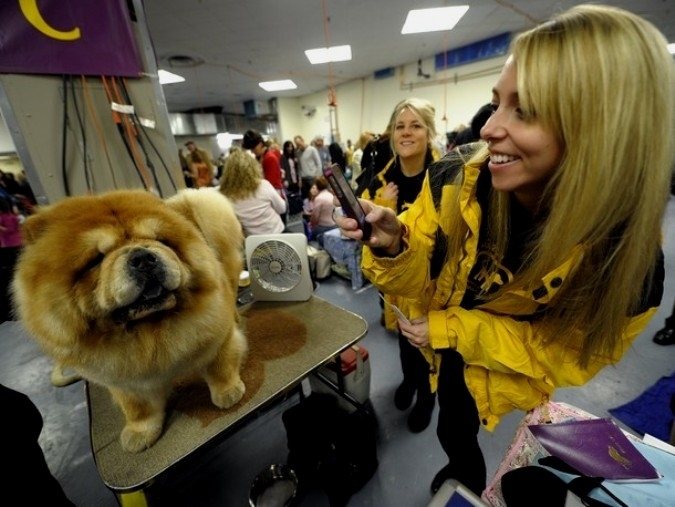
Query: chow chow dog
[(137, 293)]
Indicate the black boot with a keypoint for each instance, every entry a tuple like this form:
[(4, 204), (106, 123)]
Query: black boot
[(404, 395), (420, 415)]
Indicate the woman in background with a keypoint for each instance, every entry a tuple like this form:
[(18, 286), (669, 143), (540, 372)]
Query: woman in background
[(364, 139), (321, 219), (256, 202), (291, 178), (396, 187)]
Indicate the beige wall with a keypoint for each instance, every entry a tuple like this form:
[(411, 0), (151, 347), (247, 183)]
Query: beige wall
[(367, 103)]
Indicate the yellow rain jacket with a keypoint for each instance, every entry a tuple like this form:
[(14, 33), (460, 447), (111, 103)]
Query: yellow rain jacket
[(374, 193), (507, 367)]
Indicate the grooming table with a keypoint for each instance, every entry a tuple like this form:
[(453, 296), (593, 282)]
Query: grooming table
[(189, 427)]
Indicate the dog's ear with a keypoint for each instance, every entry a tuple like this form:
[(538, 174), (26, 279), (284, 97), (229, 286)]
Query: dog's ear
[(33, 227)]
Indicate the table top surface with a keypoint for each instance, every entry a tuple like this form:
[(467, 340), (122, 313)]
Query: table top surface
[(329, 330)]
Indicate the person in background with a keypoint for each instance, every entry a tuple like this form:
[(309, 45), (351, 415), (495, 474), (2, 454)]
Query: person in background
[(363, 140), (396, 187), (200, 165), (666, 335), (349, 152), (292, 182), (324, 153), (321, 219), (533, 260), (376, 154), (26, 191), (253, 140), (337, 156), (471, 134), (11, 242), (256, 202), (310, 164), (451, 137), (274, 148), (185, 168), (220, 163)]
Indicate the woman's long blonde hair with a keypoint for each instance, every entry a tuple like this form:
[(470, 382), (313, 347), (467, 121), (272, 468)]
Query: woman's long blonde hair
[(602, 79), (241, 175)]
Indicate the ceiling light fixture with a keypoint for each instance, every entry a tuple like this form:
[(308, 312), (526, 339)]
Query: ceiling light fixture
[(276, 86), (433, 20), (166, 77), (331, 54)]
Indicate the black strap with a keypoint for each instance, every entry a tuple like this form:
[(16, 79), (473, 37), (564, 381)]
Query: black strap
[(582, 485)]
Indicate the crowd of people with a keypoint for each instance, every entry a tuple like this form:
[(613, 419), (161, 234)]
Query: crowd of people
[(16, 202)]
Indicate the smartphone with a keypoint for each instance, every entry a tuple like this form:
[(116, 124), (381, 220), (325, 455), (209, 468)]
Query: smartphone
[(345, 194)]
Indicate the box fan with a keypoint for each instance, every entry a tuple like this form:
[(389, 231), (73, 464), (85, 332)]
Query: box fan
[(279, 267)]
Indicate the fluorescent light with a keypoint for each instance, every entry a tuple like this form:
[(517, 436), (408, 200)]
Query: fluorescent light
[(166, 77), (275, 86), (331, 54), (671, 48), (433, 20)]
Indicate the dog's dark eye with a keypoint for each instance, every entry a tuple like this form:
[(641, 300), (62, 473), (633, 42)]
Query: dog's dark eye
[(95, 261), (167, 243)]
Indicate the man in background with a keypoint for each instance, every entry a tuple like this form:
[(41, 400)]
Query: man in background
[(253, 140), (323, 150), (310, 164)]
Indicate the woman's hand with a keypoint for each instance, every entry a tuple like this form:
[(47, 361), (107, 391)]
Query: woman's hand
[(386, 229), (417, 331), (390, 192)]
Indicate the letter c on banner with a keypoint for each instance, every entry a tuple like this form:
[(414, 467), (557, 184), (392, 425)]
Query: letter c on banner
[(32, 14)]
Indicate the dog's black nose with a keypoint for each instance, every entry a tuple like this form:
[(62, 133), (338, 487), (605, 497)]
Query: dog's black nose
[(142, 261)]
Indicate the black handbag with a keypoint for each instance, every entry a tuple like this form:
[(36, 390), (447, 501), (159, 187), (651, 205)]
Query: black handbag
[(330, 448)]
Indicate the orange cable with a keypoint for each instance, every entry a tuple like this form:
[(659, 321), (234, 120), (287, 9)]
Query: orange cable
[(131, 135), (117, 118), (331, 86), (97, 125)]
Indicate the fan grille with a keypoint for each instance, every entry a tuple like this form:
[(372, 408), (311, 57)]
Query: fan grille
[(276, 266)]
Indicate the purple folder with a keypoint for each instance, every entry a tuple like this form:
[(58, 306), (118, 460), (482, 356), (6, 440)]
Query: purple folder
[(597, 448)]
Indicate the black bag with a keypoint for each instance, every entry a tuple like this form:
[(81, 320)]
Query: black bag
[(294, 203), (330, 447)]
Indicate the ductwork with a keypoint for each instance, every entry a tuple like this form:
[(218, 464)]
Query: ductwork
[(187, 124)]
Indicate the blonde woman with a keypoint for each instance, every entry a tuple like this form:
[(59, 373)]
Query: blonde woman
[(397, 186), (533, 259), (256, 202), (363, 140)]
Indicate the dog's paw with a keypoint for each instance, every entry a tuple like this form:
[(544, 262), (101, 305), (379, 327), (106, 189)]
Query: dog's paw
[(225, 398), (139, 436)]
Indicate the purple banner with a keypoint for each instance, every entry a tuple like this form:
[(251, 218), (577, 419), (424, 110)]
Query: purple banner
[(80, 37)]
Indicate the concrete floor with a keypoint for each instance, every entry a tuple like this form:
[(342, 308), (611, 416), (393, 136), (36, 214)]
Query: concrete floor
[(222, 476)]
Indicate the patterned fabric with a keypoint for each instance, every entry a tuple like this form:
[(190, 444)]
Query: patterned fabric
[(525, 449)]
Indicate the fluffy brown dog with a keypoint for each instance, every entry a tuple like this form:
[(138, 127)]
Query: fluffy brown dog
[(135, 293)]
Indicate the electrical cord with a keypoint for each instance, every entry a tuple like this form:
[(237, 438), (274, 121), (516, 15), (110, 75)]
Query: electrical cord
[(120, 128), (97, 125), (142, 129), (80, 121), (137, 130), (64, 142)]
